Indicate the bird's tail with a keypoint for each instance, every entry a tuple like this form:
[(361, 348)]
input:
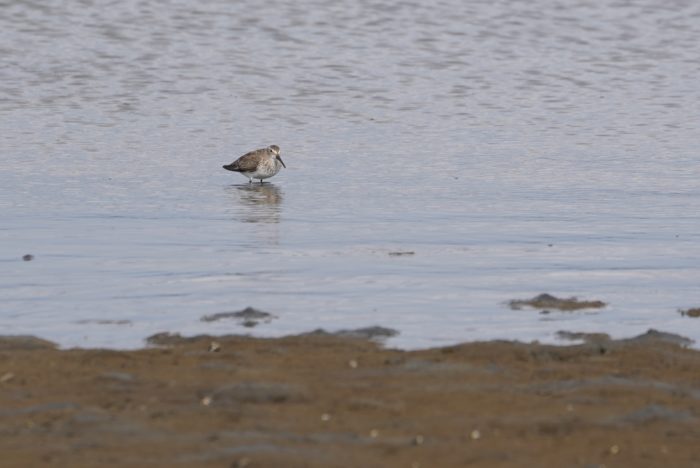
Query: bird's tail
[(231, 167)]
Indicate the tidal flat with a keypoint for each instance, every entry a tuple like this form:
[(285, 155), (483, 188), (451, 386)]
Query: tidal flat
[(323, 400)]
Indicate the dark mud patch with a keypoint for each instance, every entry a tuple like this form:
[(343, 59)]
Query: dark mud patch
[(259, 392), (655, 337), (366, 333), (651, 414), (650, 337), (547, 301), (693, 313), (401, 253), (581, 336), (248, 317), (172, 339), (375, 333)]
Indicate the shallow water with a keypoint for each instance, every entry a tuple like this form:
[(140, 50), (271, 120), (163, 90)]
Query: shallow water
[(516, 147)]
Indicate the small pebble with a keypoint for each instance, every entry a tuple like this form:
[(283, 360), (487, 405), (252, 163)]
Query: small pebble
[(6, 377), (28, 257), (475, 434), (206, 401), (242, 463), (614, 450), (352, 363), (374, 433), (418, 440), (325, 417), (214, 347)]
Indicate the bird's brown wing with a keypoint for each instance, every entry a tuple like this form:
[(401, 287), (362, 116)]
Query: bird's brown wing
[(248, 162)]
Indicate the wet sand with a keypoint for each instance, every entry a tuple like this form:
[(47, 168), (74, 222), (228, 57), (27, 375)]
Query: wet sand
[(327, 401)]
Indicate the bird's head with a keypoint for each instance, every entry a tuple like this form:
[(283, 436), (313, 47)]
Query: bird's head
[(276, 151)]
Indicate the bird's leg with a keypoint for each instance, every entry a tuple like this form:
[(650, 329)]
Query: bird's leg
[(261, 181)]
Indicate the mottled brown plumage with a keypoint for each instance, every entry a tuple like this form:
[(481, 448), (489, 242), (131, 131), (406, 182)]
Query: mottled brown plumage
[(248, 162), (258, 164)]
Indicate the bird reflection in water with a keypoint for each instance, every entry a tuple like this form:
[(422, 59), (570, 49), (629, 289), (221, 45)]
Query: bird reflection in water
[(257, 203)]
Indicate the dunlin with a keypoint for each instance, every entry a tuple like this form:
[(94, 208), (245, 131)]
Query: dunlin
[(258, 164)]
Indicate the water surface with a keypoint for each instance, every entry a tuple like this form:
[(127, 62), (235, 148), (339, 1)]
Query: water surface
[(516, 147)]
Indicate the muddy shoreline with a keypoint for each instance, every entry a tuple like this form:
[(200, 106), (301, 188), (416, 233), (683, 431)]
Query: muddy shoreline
[(321, 400)]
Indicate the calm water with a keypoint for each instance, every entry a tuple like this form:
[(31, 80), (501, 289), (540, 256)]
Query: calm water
[(516, 147)]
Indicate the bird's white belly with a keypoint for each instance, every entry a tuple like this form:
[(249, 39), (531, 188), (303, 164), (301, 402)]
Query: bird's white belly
[(264, 171)]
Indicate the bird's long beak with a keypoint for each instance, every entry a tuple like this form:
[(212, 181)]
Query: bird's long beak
[(283, 164)]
